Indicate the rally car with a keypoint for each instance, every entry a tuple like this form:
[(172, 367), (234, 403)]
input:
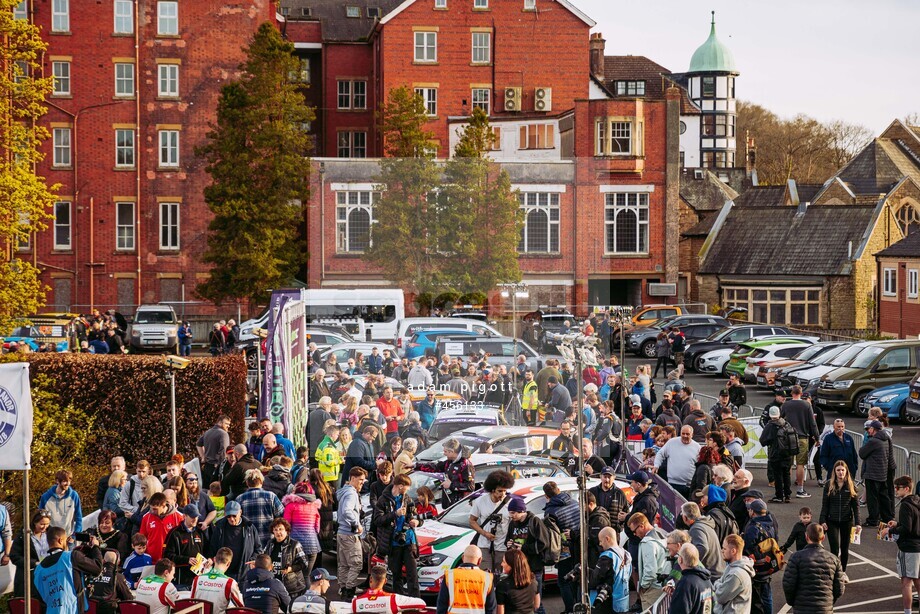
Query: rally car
[(504, 440), (442, 541)]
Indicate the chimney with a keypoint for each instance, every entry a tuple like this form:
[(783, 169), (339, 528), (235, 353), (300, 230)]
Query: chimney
[(597, 44), (750, 158)]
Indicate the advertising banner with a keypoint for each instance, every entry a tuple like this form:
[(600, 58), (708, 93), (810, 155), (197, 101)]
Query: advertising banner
[(15, 417)]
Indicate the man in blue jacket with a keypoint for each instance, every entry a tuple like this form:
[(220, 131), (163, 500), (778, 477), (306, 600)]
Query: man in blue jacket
[(264, 592), (59, 576), (836, 446), (63, 503), (374, 362)]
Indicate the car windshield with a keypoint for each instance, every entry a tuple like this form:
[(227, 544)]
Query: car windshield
[(155, 317), (829, 355), (436, 450), (419, 479), (810, 352), (719, 334), (442, 429), (843, 358), (663, 322), (865, 358)]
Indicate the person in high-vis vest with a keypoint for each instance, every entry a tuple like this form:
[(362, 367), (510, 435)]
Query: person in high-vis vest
[(327, 454), (467, 589), (59, 577), (530, 399), (216, 586), (375, 599)]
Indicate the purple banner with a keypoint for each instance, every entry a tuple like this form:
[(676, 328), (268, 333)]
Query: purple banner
[(669, 500)]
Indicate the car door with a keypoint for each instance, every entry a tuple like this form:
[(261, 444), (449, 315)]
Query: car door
[(898, 371)]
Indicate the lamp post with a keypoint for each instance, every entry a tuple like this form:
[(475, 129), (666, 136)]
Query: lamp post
[(172, 364), (582, 351), (514, 291)]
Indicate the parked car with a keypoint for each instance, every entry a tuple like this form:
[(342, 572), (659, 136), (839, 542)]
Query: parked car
[(738, 360), (727, 336), (460, 417), (641, 341), (521, 467), (893, 401), (878, 364), (504, 440), (425, 342), (467, 313), (407, 327), (810, 377), (649, 314), (350, 349), (550, 320), (768, 374), (770, 353), (55, 329), (912, 407), (714, 361), (155, 327), (499, 350)]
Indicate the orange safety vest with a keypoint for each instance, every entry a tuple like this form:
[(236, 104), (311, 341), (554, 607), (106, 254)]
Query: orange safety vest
[(467, 590)]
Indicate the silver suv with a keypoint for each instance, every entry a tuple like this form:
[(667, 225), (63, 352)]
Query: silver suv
[(155, 328)]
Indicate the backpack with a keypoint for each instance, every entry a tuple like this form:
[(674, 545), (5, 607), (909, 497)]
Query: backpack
[(553, 549), (787, 440), (768, 557), (725, 522)]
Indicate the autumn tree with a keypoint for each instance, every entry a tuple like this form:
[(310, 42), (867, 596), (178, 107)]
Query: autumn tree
[(407, 226), (482, 214), (257, 158), (25, 197), (800, 148)]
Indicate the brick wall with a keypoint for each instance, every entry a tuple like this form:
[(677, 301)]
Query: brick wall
[(208, 51)]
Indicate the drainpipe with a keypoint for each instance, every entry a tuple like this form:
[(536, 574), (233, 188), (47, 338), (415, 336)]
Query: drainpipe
[(137, 139), (322, 223)]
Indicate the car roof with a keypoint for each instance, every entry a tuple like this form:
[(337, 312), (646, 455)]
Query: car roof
[(756, 345), (466, 410), (782, 345), (480, 459)]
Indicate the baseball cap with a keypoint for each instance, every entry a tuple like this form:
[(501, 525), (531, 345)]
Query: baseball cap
[(781, 392), (191, 510), (874, 424), (752, 494), (228, 450), (774, 412), (757, 505), (320, 573), (232, 508), (723, 393), (590, 388), (640, 477), (608, 471), (517, 505)]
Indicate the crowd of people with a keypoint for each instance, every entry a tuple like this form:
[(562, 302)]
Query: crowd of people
[(252, 528)]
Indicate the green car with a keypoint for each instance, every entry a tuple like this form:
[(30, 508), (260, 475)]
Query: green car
[(738, 359)]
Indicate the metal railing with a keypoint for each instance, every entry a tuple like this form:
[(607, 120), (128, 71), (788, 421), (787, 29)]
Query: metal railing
[(913, 466), (661, 605)]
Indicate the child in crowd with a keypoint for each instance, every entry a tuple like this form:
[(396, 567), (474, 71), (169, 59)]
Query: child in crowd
[(217, 499), (798, 531), (136, 561), (648, 460), (423, 507)]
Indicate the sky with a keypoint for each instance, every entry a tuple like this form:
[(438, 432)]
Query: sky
[(855, 60)]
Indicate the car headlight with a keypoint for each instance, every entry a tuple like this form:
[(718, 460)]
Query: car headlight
[(431, 560), (814, 382), (888, 398), (135, 333), (843, 384)]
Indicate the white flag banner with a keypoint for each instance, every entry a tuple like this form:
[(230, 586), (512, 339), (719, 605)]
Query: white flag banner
[(15, 416)]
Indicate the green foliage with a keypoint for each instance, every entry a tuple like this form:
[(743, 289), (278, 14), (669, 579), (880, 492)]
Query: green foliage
[(407, 226), (257, 156), (481, 217), (25, 198)]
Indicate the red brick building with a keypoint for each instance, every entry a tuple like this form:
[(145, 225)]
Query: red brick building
[(137, 82)]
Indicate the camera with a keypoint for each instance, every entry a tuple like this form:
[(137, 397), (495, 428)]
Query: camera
[(400, 539), (81, 537), (603, 593), (574, 575)]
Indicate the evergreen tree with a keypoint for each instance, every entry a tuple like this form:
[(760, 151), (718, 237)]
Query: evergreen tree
[(407, 227), (483, 220), (25, 198), (257, 159)]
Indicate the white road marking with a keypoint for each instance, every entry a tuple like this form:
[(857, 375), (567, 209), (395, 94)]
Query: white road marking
[(867, 602), (867, 579), (888, 572)]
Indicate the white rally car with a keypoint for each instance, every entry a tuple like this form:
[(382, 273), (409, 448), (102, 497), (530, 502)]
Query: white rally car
[(441, 542)]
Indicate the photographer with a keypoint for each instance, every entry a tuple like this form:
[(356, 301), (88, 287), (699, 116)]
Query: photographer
[(489, 518), (110, 586), (59, 577), (528, 534), (608, 582), (395, 520)]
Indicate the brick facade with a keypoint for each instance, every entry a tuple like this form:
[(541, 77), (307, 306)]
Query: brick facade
[(206, 51)]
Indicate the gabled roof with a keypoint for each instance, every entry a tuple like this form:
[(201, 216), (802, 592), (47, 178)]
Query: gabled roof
[(657, 79), (563, 3), (762, 196), (784, 241), (706, 194), (336, 25), (908, 247), (703, 227)]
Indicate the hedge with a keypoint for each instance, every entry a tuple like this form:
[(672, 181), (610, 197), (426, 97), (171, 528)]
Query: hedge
[(128, 396)]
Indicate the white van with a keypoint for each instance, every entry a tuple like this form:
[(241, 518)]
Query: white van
[(407, 327)]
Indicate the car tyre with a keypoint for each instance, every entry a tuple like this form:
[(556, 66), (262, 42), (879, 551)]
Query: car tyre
[(698, 364), (252, 360), (907, 417), (858, 407), (725, 370), (647, 350)]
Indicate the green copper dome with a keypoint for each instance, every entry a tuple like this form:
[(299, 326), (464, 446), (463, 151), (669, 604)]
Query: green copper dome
[(712, 56)]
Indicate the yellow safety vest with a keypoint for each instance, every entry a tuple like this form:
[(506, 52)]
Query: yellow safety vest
[(468, 589), (329, 459), (531, 399)]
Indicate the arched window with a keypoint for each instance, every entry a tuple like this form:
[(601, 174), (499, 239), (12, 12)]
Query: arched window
[(354, 217), (540, 234), (908, 217), (626, 221)]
